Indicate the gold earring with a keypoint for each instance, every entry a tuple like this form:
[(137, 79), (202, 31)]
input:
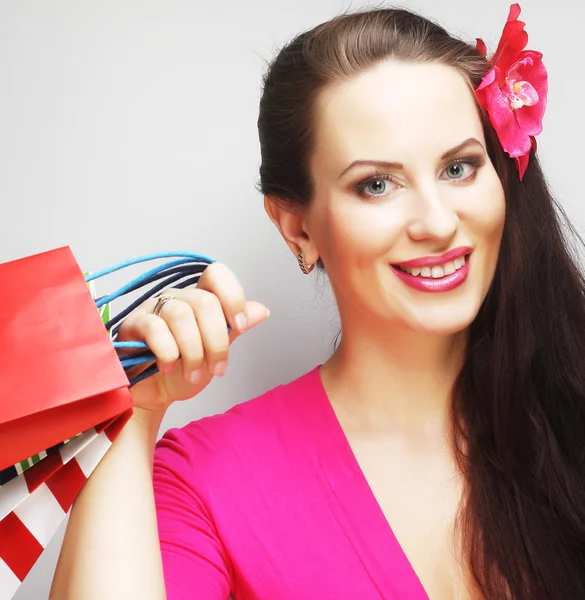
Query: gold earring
[(305, 268)]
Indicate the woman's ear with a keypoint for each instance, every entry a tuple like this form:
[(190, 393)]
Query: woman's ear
[(290, 220)]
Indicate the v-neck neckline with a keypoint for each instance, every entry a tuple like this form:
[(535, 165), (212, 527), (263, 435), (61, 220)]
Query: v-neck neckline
[(381, 551)]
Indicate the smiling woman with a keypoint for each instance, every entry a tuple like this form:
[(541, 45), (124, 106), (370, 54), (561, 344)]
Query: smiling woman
[(439, 452), (419, 183)]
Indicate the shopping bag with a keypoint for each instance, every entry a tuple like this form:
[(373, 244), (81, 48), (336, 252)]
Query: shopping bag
[(53, 340), (41, 498), (23, 465), (16, 489), (53, 322), (60, 374)]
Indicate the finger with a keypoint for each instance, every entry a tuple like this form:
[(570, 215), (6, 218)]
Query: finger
[(146, 327), (181, 321), (213, 329), (257, 313), (220, 281)]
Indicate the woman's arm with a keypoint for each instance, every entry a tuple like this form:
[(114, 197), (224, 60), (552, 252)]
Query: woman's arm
[(111, 547)]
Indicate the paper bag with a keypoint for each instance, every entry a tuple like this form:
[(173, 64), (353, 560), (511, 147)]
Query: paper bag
[(59, 374)]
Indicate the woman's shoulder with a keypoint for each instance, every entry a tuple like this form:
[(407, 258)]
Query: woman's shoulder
[(264, 412), (253, 431)]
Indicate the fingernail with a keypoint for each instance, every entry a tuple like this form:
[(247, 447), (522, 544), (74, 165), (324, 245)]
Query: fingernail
[(241, 322), (220, 368), (195, 376)]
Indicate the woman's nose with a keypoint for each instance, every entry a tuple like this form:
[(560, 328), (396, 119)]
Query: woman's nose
[(435, 217)]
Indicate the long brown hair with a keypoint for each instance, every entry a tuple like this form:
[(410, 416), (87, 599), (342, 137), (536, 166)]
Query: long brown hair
[(518, 408)]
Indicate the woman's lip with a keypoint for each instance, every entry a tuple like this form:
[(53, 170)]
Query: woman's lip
[(433, 261), (429, 284)]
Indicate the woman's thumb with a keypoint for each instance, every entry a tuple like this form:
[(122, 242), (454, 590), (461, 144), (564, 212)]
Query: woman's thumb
[(256, 313)]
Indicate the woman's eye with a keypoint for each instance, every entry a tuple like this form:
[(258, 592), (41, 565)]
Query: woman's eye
[(375, 187), (461, 170)]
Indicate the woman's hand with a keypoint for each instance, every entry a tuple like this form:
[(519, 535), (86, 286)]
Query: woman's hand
[(190, 337)]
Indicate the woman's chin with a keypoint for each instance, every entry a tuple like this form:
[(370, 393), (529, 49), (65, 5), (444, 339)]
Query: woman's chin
[(442, 320)]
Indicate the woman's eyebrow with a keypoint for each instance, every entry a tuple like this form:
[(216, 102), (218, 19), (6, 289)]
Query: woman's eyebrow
[(468, 142), (395, 165)]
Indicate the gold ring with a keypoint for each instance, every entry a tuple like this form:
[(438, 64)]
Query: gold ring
[(162, 300)]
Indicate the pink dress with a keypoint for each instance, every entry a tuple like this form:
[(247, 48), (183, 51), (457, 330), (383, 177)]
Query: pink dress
[(268, 502)]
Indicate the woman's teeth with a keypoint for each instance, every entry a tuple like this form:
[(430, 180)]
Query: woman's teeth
[(437, 271)]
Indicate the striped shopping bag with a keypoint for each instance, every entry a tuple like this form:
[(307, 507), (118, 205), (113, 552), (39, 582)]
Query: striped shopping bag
[(34, 504)]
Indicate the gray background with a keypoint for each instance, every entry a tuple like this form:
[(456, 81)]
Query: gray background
[(130, 127)]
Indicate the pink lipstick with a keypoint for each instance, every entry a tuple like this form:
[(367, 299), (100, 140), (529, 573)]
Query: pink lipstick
[(427, 274)]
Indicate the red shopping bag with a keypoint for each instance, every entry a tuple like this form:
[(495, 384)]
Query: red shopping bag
[(59, 373)]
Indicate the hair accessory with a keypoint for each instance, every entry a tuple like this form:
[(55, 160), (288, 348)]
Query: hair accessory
[(305, 268), (514, 92), (162, 300)]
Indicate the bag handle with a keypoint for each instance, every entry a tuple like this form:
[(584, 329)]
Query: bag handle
[(185, 269)]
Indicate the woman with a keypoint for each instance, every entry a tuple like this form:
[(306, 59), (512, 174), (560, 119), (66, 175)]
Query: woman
[(439, 452)]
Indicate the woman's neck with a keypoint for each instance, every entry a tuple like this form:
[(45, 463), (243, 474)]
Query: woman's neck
[(394, 377)]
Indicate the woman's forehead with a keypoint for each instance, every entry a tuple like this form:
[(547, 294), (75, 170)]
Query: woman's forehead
[(401, 108)]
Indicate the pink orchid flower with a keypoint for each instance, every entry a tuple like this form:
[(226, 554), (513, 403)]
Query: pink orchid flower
[(514, 92)]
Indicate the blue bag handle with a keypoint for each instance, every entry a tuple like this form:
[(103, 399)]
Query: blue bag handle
[(183, 270)]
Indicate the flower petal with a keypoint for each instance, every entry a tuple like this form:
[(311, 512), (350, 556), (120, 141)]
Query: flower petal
[(512, 42), (522, 163), (512, 137), (480, 46), (487, 80), (534, 144), (530, 117), (526, 93), (514, 12)]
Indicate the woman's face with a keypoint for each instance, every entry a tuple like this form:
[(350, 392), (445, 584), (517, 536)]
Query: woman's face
[(408, 210)]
